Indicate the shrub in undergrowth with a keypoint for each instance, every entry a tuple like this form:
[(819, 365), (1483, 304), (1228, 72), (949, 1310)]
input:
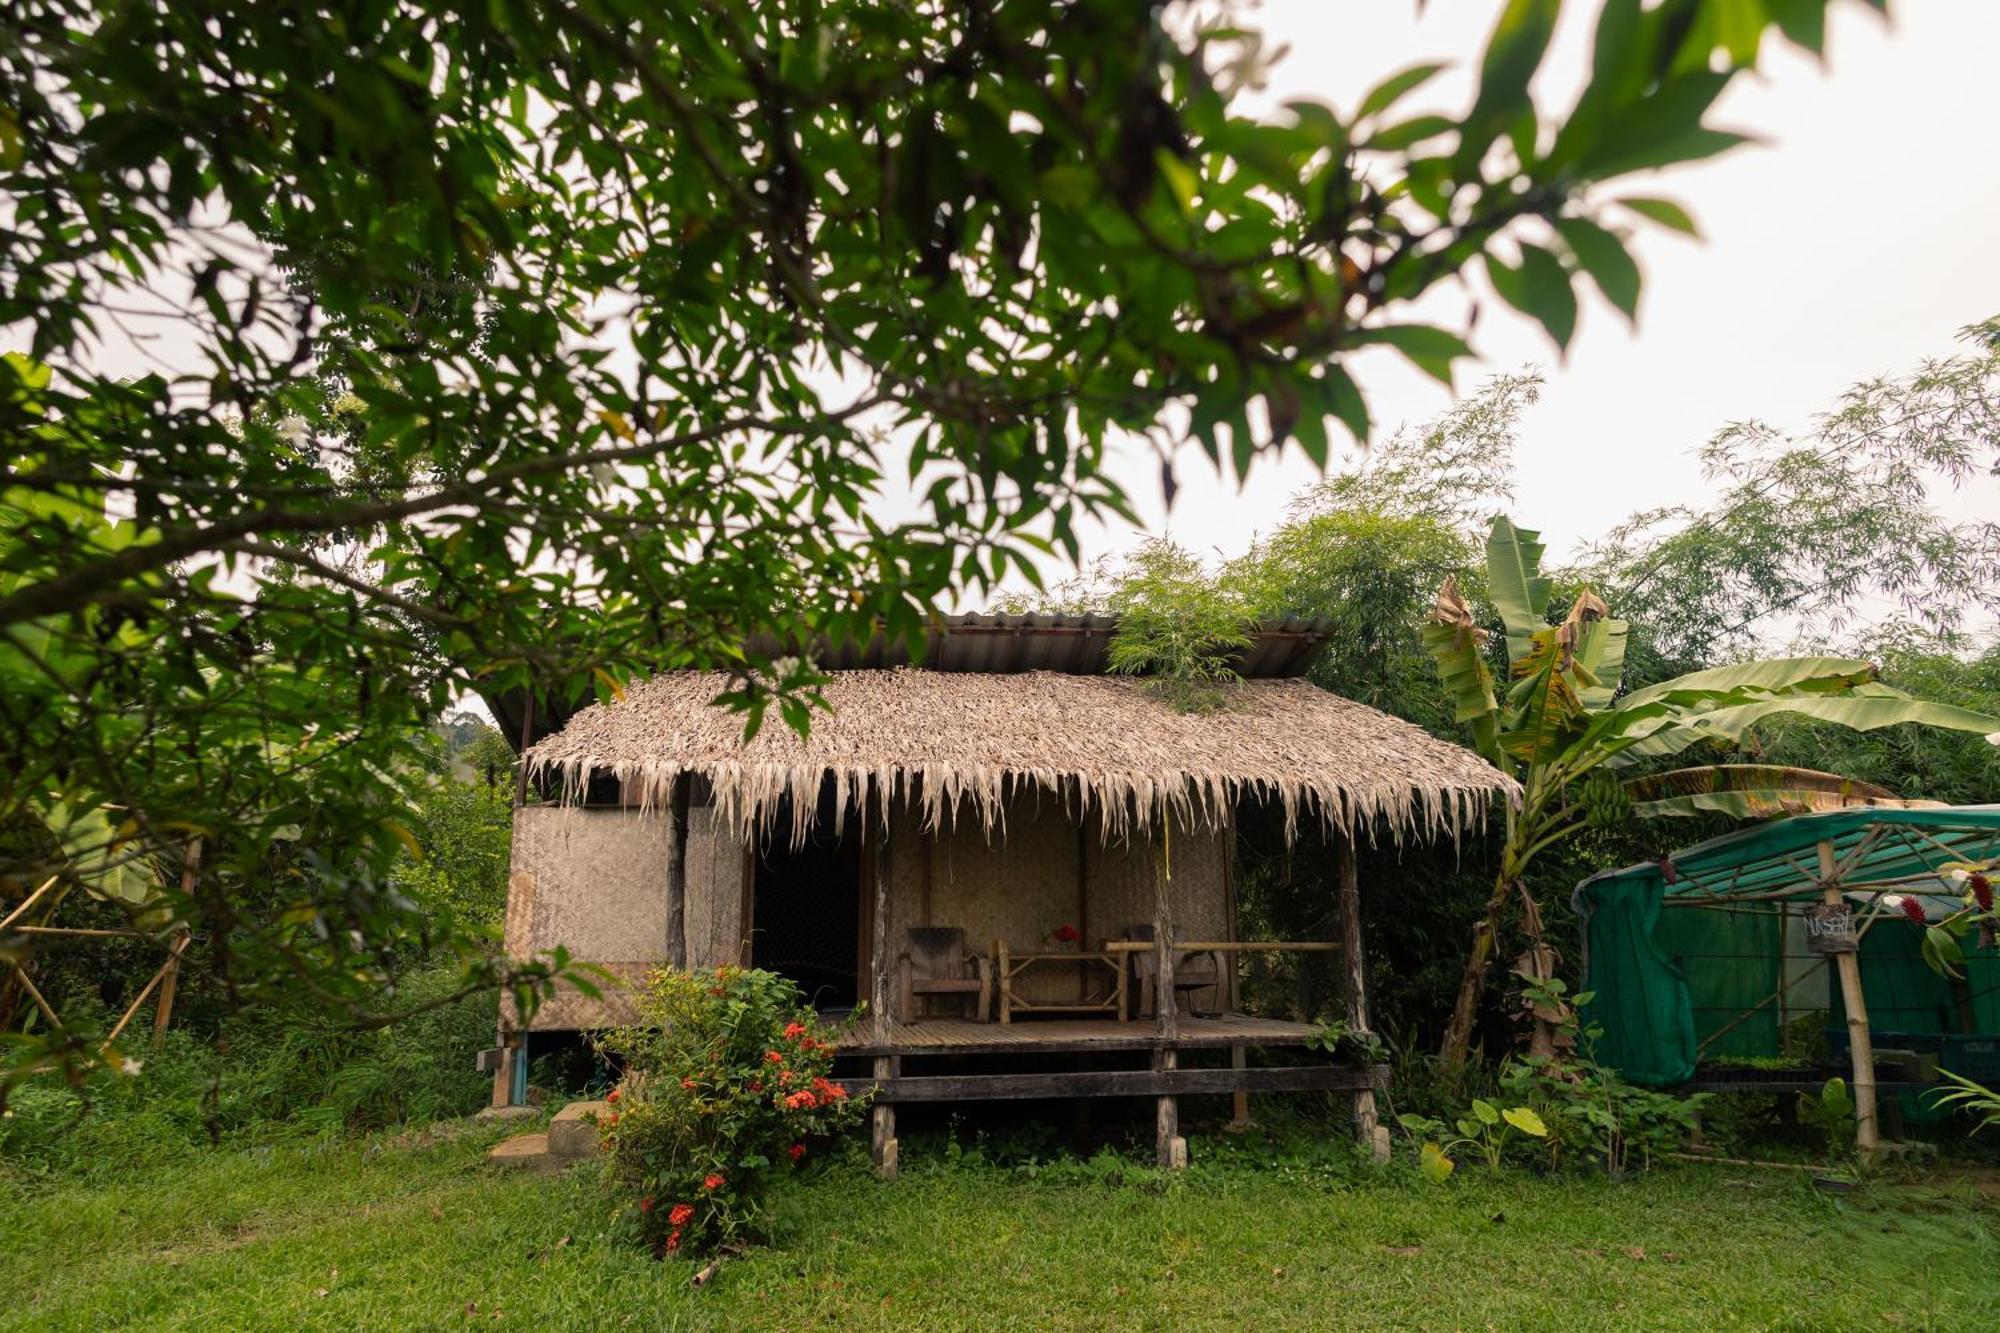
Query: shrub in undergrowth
[(725, 1085)]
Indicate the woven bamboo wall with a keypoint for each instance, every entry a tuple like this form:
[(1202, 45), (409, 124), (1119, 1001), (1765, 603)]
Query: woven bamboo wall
[(595, 882)]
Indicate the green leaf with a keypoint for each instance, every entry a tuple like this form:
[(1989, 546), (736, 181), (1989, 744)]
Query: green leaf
[(1524, 1119), (1487, 1112), (1604, 257), (1856, 712), (1513, 53), (1394, 88), (1540, 289), (1430, 349), (1665, 212), (1601, 655)]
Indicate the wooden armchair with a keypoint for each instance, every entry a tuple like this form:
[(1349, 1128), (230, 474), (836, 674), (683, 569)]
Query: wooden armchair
[(1197, 971), (938, 963)]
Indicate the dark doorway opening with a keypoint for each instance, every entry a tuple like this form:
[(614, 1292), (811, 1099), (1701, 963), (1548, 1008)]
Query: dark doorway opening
[(806, 910)]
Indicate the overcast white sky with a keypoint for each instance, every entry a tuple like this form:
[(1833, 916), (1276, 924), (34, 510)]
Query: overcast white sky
[(1855, 242)]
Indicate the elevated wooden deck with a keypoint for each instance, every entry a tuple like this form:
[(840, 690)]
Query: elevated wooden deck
[(945, 1036)]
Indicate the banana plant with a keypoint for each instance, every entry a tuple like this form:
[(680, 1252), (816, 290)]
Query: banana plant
[(1559, 726)]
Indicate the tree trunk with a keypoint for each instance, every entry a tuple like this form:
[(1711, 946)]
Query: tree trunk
[(1472, 981)]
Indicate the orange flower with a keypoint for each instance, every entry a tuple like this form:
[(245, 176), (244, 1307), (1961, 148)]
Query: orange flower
[(774, 1058), (680, 1214), (688, 1084), (714, 1181), (793, 1031), (801, 1101)]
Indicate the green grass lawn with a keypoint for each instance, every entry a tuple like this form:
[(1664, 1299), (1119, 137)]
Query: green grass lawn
[(394, 1235)]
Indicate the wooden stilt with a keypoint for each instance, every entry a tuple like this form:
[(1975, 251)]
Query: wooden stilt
[(1354, 973), (677, 844), (1861, 1047), (882, 1141), (1239, 1118)]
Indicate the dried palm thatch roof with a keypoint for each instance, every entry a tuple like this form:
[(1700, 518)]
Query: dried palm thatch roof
[(964, 743)]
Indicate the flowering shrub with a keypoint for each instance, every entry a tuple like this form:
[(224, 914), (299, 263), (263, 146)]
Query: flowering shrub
[(725, 1084)]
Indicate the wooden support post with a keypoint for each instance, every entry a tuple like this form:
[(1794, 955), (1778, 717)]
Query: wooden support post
[(882, 1141), (677, 858), (1239, 1101), (521, 755), (878, 960), (1171, 1147), (1368, 1128), (1860, 1046)]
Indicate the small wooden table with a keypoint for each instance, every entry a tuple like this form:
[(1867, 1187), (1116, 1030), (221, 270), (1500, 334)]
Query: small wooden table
[(1008, 965)]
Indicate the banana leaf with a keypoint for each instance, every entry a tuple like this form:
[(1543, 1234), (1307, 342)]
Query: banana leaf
[(1751, 791), (1519, 592), (1857, 712), (1601, 656), (1809, 675)]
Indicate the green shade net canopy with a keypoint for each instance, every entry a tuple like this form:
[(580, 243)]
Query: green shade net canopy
[(1688, 960)]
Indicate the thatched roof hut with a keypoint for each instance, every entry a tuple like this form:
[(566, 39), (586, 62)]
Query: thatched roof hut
[(959, 744)]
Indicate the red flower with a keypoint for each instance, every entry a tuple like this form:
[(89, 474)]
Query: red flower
[(801, 1101), (688, 1084), (756, 1085), (784, 1078), (1067, 933), (1914, 910), (646, 1204), (714, 1181), (836, 1092), (1982, 891), (674, 1241), (774, 1057), (797, 1150), (611, 1096), (610, 1120), (680, 1214), (793, 1031)]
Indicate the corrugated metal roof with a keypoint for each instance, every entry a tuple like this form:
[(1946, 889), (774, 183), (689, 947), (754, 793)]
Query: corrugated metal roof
[(1043, 641), (1074, 645)]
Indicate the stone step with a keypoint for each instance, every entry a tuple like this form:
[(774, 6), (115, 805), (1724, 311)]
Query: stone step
[(573, 1133), (528, 1152)]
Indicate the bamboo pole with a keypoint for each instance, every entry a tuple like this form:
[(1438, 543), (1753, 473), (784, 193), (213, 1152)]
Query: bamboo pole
[(165, 1013), (1860, 1046)]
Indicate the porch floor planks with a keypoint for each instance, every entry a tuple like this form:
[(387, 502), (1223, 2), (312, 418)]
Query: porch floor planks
[(947, 1036)]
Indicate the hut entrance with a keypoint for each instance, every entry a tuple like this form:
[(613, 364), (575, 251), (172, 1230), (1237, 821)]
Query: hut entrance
[(806, 914)]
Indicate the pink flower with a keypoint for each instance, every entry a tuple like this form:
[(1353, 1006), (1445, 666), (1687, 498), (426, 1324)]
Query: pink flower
[(1914, 910)]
